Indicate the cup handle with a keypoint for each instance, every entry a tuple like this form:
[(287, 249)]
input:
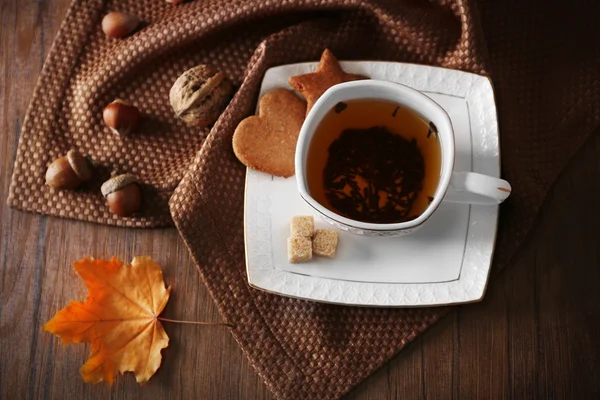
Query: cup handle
[(474, 188)]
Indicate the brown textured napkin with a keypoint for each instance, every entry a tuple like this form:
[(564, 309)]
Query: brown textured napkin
[(545, 68)]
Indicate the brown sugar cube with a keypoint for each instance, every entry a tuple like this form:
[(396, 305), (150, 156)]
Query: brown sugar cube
[(302, 226), (325, 243), (299, 249)]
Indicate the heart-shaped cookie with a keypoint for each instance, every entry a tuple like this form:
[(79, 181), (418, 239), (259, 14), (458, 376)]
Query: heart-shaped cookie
[(267, 142)]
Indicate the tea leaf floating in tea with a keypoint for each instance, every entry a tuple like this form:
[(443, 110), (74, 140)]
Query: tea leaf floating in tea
[(339, 107), (432, 129), (373, 175)]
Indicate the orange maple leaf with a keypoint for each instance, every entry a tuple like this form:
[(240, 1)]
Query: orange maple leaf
[(119, 318)]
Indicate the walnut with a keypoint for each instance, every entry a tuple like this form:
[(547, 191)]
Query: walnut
[(200, 95)]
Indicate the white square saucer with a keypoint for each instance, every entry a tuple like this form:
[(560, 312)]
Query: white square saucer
[(446, 262)]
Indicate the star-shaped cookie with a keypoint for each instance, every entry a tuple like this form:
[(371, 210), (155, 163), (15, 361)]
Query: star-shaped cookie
[(329, 73)]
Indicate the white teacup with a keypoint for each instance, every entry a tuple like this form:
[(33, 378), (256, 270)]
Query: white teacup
[(453, 186)]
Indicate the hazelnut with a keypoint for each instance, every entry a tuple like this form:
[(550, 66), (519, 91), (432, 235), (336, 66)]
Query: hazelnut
[(117, 24), (121, 117), (200, 95), (123, 195), (68, 172), (175, 1)]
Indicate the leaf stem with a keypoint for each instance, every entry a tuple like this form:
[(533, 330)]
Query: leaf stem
[(193, 322)]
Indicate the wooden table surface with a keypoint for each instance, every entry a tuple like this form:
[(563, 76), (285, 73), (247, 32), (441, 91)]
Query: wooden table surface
[(536, 334)]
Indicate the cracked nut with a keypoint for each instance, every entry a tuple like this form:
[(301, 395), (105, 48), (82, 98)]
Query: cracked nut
[(121, 117), (117, 24), (200, 95), (122, 194), (68, 172)]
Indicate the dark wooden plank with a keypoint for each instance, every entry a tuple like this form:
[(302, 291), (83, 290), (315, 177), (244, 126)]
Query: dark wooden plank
[(441, 351), (567, 262), (22, 236), (400, 379), (483, 355), (519, 287)]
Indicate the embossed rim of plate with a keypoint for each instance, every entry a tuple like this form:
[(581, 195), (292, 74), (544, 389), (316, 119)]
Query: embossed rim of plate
[(477, 91)]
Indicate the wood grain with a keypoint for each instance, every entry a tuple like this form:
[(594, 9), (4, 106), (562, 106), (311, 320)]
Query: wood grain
[(536, 334)]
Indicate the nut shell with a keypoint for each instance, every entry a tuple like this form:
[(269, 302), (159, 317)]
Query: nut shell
[(117, 183), (200, 95), (125, 201), (122, 194), (121, 117), (60, 175), (79, 165), (117, 24)]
